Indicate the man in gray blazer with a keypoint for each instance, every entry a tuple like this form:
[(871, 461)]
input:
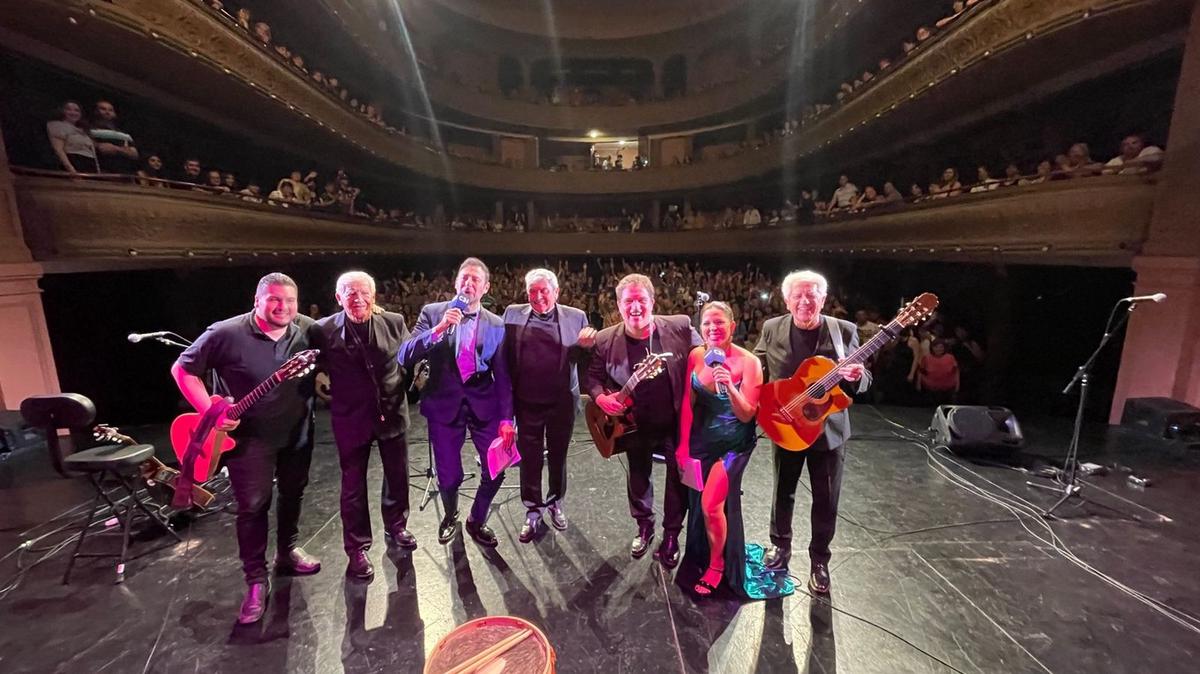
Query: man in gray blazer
[(786, 341), (544, 342)]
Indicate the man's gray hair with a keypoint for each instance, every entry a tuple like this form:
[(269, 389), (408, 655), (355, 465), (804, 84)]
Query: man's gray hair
[(275, 278), (352, 276), (535, 275), (803, 276)]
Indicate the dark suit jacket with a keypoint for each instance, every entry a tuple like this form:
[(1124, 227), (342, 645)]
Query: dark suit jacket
[(609, 367), (361, 394), (775, 350), (488, 392), (570, 322)]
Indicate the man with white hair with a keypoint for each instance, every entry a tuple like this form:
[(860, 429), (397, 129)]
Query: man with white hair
[(368, 406), (544, 342), (785, 343)]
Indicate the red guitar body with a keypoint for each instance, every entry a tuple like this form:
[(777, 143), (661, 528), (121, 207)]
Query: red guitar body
[(791, 419), (215, 444)]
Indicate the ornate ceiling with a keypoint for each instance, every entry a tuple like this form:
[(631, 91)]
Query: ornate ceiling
[(589, 19)]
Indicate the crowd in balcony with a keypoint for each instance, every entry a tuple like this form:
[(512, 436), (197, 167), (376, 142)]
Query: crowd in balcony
[(936, 362)]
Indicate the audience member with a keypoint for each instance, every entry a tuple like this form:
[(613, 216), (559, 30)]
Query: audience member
[(1135, 157), (115, 149), (70, 141), (948, 187), (1080, 163), (938, 375), (845, 194), (151, 174)]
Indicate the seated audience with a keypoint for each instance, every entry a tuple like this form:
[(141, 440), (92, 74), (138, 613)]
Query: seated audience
[(844, 196), (984, 181), (1135, 157), (151, 174), (1012, 176), (1079, 162), (1045, 171), (948, 187)]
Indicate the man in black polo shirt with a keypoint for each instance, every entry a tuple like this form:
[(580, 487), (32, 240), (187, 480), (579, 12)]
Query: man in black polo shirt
[(274, 437), (656, 403)]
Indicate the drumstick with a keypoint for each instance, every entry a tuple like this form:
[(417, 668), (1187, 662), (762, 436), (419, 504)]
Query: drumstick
[(491, 652)]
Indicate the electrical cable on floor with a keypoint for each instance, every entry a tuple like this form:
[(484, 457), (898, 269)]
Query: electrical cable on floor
[(800, 585), (1026, 511), (662, 577)]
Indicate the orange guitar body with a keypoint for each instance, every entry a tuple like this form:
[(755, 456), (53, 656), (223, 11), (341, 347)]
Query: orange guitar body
[(791, 419), (215, 444)]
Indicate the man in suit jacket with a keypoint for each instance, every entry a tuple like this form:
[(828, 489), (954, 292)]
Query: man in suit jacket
[(544, 342), (468, 387), (656, 403), (368, 405), (786, 341)]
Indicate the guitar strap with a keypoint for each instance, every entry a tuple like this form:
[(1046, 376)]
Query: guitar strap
[(835, 334), (183, 484)]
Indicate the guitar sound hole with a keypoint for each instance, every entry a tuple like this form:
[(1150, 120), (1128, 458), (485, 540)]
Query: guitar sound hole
[(811, 412)]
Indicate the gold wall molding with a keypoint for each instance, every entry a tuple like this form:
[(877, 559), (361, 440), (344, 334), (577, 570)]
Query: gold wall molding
[(1095, 221)]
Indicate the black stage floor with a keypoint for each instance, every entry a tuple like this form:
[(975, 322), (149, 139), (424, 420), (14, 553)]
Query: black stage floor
[(986, 597)]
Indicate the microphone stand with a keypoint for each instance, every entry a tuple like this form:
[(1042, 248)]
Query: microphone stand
[(1068, 478)]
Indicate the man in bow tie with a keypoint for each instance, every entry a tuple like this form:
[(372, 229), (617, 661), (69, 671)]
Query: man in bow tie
[(468, 388)]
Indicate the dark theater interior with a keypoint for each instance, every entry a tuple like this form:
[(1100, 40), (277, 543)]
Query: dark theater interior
[(521, 337)]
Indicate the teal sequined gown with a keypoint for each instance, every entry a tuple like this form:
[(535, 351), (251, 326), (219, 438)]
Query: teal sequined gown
[(718, 435)]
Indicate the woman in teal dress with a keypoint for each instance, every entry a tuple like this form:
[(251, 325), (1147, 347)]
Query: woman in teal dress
[(716, 436)]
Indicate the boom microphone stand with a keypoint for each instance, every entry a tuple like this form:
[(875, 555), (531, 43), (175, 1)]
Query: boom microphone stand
[(1068, 478)]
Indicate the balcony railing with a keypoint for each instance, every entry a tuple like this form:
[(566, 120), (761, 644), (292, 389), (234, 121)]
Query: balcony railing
[(83, 223)]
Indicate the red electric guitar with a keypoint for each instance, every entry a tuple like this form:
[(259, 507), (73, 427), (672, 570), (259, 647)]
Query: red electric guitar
[(792, 411), (218, 442)]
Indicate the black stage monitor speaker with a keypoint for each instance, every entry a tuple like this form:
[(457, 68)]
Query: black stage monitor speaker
[(1162, 417), (972, 428)]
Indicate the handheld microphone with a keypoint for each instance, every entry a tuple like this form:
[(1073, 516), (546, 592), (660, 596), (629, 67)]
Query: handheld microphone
[(135, 337), (1156, 297), (714, 357), (461, 303)]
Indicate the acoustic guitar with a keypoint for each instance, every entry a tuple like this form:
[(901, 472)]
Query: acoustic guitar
[(153, 471), (792, 412), (217, 442), (606, 429)]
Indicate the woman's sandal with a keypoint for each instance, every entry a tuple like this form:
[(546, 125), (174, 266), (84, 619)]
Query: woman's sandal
[(704, 588)]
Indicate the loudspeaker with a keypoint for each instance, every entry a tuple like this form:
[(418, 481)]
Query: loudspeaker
[(1162, 417), (972, 428)]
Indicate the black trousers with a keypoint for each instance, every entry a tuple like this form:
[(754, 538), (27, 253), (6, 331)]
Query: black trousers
[(639, 449), (825, 476), (544, 427), (356, 513), (255, 467), (447, 440)]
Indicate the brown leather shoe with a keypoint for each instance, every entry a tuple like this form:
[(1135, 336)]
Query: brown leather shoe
[(819, 580), (297, 562), (360, 566)]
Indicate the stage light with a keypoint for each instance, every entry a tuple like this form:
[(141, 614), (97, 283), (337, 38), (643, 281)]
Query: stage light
[(594, 133)]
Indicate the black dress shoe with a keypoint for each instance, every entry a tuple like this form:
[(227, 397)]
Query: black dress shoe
[(360, 566), (819, 580), (667, 553), (482, 534), (448, 529), (297, 562), (403, 538), (777, 558), (558, 518), (641, 543), (529, 530), (254, 604)]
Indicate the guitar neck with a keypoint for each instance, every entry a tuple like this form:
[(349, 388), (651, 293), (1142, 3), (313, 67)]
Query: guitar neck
[(239, 408), (863, 353)]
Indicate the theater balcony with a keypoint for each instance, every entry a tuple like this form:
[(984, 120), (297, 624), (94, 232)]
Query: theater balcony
[(94, 225), (180, 51)]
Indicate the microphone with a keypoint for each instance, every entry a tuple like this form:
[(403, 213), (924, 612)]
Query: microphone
[(1156, 297), (135, 337), (461, 303), (715, 357)]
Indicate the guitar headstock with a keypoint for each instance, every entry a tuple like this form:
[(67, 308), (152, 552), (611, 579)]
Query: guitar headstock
[(651, 366), (299, 365), (917, 310), (111, 434)]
